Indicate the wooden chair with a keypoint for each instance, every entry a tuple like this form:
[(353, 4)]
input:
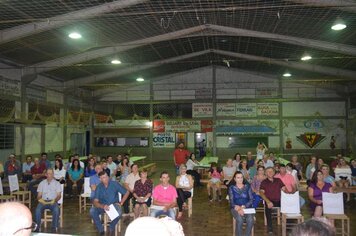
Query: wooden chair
[(5, 198), (21, 196), (333, 209), (344, 229), (83, 203), (244, 224), (106, 224), (47, 213), (290, 209), (276, 213)]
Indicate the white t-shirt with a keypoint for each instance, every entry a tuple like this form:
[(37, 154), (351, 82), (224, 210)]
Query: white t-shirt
[(190, 164), (229, 172), (58, 174)]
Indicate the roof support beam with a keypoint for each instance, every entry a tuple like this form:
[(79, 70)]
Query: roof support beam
[(333, 47), (343, 5), (86, 56), (296, 65), (25, 30), (127, 70)]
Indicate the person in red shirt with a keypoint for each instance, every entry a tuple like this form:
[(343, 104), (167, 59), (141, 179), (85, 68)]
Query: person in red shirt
[(180, 156), (38, 174)]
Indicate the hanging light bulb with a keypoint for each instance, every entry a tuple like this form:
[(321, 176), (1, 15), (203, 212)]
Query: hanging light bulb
[(339, 24), (306, 57), (287, 74)]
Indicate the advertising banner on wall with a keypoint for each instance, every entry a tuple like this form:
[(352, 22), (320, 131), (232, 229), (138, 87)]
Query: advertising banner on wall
[(206, 126), (182, 126), (226, 109), (10, 87), (246, 109), (314, 134), (164, 140), (202, 110), (267, 109), (247, 127)]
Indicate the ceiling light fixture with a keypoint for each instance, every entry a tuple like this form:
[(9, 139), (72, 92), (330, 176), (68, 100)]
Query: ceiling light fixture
[(140, 79), (74, 35), (305, 57), (287, 74), (339, 24), (115, 62)]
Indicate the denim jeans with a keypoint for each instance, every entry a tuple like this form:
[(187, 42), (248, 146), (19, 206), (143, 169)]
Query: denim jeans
[(54, 210), (32, 188), (240, 220), (171, 213), (95, 215)]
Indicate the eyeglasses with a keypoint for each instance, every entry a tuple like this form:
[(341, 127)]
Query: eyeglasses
[(33, 227)]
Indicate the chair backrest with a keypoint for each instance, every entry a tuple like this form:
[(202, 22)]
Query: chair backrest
[(290, 203), (333, 203), (60, 201), (13, 183), (1, 188), (192, 192), (87, 188)]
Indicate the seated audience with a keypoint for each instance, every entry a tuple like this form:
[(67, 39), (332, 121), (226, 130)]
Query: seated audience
[(245, 170), (343, 175), (228, 172), (106, 194), (240, 196), (236, 161), (12, 166), (38, 174), (250, 160), (142, 194), (90, 167), (184, 186), (49, 192), (95, 180), (353, 171), (316, 187), (327, 177), (290, 170), (130, 184), (59, 171), (75, 177), (214, 182), (104, 164), (26, 169), (44, 160), (191, 163), (124, 169), (311, 168), (112, 166), (255, 185), (297, 166), (267, 162), (320, 162), (270, 192), (336, 161), (164, 198)]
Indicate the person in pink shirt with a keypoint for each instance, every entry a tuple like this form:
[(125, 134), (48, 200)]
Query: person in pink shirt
[(289, 181), (215, 181), (164, 198)]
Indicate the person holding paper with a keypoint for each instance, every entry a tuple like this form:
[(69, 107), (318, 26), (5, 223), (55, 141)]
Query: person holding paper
[(270, 192), (106, 199), (164, 198), (315, 190), (48, 193), (240, 196)]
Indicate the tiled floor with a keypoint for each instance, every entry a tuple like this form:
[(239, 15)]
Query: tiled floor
[(208, 218)]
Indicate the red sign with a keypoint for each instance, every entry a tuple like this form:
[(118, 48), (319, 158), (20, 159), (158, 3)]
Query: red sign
[(158, 126), (206, 126)]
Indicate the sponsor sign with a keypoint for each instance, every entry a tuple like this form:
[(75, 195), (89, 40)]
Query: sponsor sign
[(202, 110), (311, 139), (158, 126), (55, 97), (182, 126), (266, 92), (226, 109), (246, 109), (10, 87), (36, 94), (206, 126), (164, 140), (267, 109)]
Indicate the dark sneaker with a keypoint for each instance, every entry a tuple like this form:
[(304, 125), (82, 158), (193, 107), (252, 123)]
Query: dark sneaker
[(210, 198)]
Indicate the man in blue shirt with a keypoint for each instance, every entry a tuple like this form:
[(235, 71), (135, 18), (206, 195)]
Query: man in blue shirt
[(107, 193), (95, 180)]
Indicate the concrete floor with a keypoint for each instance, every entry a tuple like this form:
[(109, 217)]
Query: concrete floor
[(208, 219)]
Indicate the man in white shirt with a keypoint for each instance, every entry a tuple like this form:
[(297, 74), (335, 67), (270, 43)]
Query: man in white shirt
[(113, 168), (48, 193), (267, 162), (130, 184)]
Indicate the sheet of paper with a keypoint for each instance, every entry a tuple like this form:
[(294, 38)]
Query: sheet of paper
[(290, 203), (155, 207), (112, 212), (250, 211), (333, 203), (13, 183)]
